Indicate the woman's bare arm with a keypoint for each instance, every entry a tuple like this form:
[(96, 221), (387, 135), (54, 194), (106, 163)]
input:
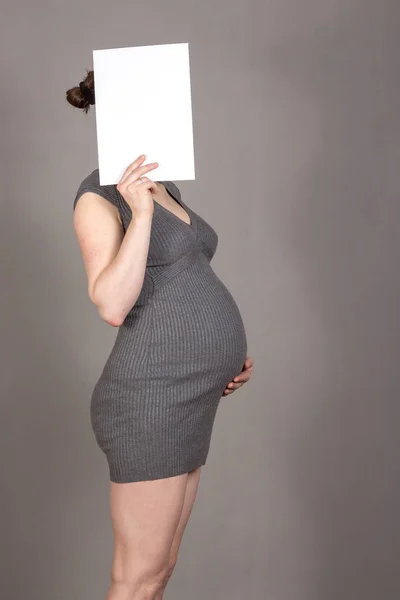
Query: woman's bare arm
[(115, 264)]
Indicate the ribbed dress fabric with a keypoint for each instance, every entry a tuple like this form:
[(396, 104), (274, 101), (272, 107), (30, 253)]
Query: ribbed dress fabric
[(153, 407)]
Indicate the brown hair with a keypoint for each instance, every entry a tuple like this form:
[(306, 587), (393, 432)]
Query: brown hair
[(82, 96)]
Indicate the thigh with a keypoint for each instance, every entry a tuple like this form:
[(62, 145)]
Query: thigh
[(145, 516), (190, 496)]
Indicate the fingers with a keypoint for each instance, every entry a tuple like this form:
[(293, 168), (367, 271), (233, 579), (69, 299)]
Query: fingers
[(234, 386), (144, 182), (240, 379), (231, 387), (247, 370), (136, 163), (243, 376), (138, 172), (227, 391), (141, 181), (249, 362)]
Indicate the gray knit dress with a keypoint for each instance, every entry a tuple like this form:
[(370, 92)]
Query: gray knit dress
[(153, 407)]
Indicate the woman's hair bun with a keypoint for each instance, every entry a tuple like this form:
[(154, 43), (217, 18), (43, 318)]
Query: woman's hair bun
[(82, 96)]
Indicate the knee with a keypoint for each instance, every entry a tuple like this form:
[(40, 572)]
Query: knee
[(141, 582), (170, 568)]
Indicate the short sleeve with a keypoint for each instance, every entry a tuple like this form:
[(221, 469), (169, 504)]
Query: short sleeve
[(91, 183)]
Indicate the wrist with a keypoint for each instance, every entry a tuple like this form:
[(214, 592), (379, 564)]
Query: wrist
[(142, 216)]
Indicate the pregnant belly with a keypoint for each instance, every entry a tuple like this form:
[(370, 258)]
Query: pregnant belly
[(198, 329), (192, 330)]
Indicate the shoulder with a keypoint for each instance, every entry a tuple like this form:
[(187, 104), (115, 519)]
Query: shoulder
[(92, 179), (91, 183)]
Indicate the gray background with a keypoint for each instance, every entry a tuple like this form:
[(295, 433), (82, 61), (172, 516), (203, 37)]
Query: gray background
[(295, 107)]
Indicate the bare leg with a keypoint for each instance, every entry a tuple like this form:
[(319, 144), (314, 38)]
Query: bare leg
[(190, 496), (145, 516)]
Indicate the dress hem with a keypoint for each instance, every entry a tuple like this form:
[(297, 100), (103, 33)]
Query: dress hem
[(159, 475)]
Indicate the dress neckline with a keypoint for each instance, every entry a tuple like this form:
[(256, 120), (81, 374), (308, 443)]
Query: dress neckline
[(180, 202)]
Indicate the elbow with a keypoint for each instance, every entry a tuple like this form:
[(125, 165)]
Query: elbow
[(110, 314), (110, 317), (113, 322), (107, 313)]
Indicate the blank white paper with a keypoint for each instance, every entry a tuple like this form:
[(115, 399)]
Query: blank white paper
[(144, 106)]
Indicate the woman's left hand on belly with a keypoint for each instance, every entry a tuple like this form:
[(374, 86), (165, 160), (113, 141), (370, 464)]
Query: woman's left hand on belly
[(241, 378)]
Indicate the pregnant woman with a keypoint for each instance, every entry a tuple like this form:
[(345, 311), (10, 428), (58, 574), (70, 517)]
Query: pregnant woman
[(180, 347)]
